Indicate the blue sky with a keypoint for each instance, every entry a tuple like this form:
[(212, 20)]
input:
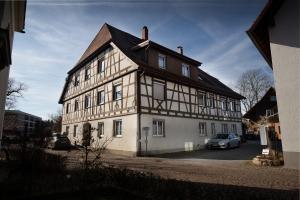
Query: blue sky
[(58, 32)]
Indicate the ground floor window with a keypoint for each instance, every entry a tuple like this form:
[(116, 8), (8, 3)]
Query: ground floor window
[(67, 130), (224, 128), (75, 131), (100, 132), (158, 127), (213, 129), (202, 129), (233, 128), (118, 128)]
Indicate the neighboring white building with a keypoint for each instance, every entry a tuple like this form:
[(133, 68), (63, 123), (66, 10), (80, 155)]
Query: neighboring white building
[(127, 87), (276, 34), (12, 18)]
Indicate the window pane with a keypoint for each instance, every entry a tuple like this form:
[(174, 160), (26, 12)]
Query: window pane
[(162, 61), (117, 92)]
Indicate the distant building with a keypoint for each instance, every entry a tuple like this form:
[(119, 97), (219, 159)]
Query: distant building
[(18, 123), (276, 34), (265, 113), (145, 96), (12, 19)]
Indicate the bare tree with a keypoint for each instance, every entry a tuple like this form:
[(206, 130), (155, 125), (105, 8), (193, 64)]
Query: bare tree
[(56, 120), (253, 84), (15, 90)]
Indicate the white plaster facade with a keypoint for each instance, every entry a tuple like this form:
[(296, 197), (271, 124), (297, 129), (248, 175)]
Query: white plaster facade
[(285, 49)]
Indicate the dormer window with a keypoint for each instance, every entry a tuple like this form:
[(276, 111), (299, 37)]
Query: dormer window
[(185, 70), (162, 61)]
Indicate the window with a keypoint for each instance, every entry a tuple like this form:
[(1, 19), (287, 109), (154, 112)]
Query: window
[(100, 132), (67, 130), (209, 100), (117, 92), (87, 74), (201, 99), (233, 128), (185, 70), (162, 61), (100, 97), (76, 105), (87, 101), (223, 104), (202, 129), (101, 66), (117, 128), (76, 80), (224, 128), (68, 108), (75, 131), (232, 107), (158, 127), (158, 90), (213, 129)]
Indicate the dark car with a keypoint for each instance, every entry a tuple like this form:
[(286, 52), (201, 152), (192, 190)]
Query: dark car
[(58, 141)]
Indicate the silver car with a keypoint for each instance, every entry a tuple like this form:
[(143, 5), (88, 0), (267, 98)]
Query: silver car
[(224, 141)]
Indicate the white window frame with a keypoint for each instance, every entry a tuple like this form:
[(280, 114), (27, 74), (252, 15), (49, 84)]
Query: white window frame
[(213, 129), (87, 101), (117, 95), (100, 66), (100, 97), (76, 105), (223, 104), (203, 98), (68, 107), (76, 80), (162, 61), (224, 128), (100, 130), (117, 128), (156, 126), (233, 128), (185, 70), (202, 129), (87, 73)]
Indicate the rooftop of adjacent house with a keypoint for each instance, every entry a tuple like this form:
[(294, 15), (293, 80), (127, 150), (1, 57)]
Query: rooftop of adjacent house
[(268, 101), (130, 46)]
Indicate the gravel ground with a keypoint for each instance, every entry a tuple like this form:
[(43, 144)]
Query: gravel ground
[(235, 172)]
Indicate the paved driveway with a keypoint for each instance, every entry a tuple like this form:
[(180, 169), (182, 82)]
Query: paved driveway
[(228, 157)]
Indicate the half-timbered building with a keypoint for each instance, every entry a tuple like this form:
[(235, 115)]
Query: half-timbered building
[(145, 97)]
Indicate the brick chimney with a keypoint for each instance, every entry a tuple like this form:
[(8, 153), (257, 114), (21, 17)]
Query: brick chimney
[(145, 33), (180, 49)]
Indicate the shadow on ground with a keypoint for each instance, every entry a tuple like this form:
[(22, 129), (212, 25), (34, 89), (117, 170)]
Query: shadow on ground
[(246, 151)]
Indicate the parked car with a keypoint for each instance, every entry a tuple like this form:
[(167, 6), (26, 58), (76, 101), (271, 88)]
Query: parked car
[(224, 141), (58, 141)]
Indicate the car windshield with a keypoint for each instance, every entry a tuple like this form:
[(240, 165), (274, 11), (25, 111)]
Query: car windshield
[(221, 136)]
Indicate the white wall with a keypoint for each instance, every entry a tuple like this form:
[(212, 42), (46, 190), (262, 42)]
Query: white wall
[(179, 132), (285, 49), (126, 143)]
